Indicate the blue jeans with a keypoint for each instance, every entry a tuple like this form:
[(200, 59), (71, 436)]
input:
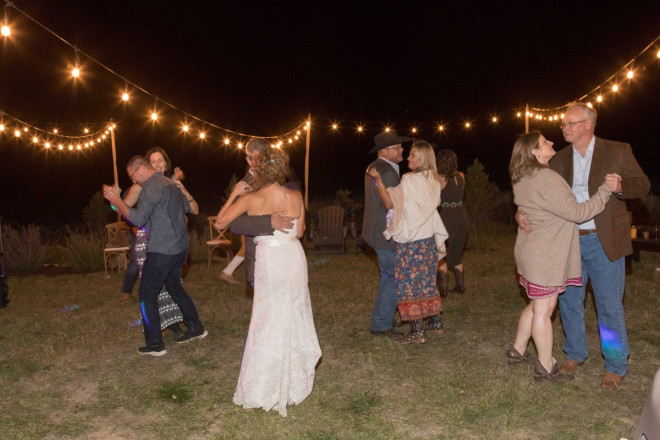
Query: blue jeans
[(159, 269), (386, 302), (608, 281)]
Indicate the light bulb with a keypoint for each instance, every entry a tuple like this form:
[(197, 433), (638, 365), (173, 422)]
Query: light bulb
[(359, 129), (226, 141), (335, 126), (186, 128), (467, 125), (154, 116), (494, 118), (518, 115), (599, 98), (202, 135), (441, 127), (75, 72), (124, 97), (615, 88), (17, 133), (35, 139), (629, 74), (5, 30), (2, 127), (47, 145)]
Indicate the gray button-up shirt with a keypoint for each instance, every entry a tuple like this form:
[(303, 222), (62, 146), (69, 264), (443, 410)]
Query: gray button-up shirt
[(162, 207)]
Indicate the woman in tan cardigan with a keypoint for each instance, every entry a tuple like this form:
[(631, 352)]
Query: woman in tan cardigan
[(548, 259)]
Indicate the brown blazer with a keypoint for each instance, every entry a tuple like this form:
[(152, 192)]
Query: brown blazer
[(609, 157)]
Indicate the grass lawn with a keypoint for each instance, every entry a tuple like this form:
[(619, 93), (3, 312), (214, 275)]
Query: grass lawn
[(69, 366)]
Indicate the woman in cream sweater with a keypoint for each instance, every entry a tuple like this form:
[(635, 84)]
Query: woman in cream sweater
[(548, 259)]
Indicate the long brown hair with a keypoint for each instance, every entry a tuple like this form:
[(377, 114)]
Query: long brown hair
[(523, 163)]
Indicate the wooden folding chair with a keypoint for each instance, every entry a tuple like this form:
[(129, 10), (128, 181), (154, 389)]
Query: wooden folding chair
[(219, 240), (118, 246)]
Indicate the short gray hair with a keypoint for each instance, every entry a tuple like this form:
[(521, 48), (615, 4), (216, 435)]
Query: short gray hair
[(589, 112)]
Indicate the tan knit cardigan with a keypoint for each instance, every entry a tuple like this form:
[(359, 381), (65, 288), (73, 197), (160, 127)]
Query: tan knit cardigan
[(550, 254)]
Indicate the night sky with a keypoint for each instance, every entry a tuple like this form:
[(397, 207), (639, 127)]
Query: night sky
[(261, 68)]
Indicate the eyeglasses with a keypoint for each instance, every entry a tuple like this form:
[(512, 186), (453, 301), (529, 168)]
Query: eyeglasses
[(570, 124), (130, 176)]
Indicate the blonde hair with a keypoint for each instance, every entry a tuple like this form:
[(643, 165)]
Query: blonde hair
[(272, 166), (426, 157), (523, 162)]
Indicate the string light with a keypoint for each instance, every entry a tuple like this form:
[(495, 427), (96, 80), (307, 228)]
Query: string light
[(6, 31), (538, 114)]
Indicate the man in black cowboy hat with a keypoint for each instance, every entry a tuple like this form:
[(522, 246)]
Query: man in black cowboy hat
[(390, 153)]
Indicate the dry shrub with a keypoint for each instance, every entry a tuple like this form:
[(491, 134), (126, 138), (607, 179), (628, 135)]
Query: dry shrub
[(25, 249)]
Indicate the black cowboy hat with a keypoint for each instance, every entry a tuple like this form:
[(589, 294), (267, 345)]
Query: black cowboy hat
[(387, 139)]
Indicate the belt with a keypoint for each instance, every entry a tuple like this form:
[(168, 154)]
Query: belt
[(451, 204), (587, 231), (274, 241)]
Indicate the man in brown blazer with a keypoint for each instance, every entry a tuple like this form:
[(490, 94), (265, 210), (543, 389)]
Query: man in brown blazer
[(604, 240), (390, 154)]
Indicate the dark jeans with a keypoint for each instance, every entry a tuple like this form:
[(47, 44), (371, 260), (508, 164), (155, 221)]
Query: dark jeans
[(159, 269), (130, 276)]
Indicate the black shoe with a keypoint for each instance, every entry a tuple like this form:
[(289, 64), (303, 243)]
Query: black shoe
[(176, 329), (191, 336), (390, 333), (153, 351)]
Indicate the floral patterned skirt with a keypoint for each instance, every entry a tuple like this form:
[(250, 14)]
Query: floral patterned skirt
[(415, 279)]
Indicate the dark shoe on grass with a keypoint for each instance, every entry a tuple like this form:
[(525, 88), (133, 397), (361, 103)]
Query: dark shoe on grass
[(555, 376), (389, 333), (191, 336), (513, 357), (153, 351)]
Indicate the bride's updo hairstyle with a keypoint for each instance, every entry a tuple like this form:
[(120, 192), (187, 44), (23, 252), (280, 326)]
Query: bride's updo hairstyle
[(272, 166)]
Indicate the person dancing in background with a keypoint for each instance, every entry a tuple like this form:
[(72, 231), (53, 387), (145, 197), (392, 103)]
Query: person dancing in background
[(161, 163), (548, 260), (419, 234), (454, 217), (281, 349)]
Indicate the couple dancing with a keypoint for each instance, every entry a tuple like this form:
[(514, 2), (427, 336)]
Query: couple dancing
[(281, 348)]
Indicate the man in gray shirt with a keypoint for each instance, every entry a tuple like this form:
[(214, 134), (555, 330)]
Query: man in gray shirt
[(161, 208)]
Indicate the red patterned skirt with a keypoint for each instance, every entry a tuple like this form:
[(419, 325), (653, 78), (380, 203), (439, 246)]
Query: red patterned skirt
[(415, 279), (534, 291)]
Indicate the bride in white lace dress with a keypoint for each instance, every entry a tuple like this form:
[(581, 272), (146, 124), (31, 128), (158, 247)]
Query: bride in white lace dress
[(281, 350)]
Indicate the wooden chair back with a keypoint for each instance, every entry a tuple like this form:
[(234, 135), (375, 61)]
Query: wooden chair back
[(330, 222)]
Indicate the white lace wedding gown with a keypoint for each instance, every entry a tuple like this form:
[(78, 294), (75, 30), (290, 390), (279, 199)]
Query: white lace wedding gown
[(281, 350)]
